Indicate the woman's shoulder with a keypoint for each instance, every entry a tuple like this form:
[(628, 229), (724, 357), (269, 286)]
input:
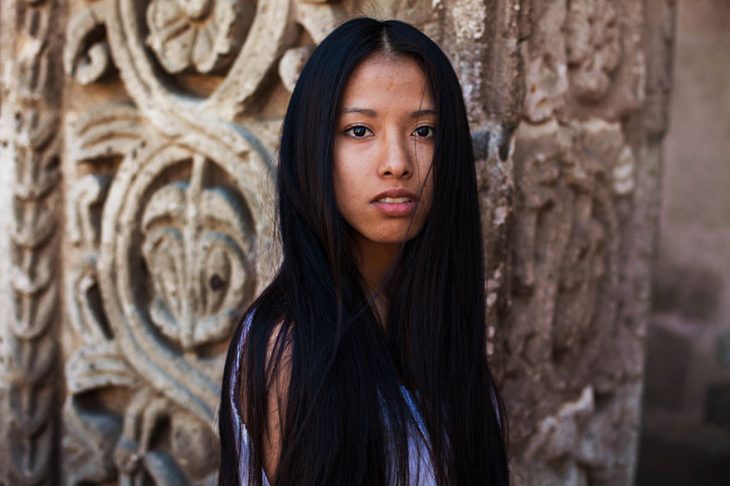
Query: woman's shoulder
[(261, 342), (263, 320), (271, 330)]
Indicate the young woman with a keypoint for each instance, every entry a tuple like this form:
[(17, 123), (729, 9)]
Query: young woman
[(363, 362)]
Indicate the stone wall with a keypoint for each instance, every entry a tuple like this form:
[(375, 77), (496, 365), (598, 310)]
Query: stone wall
[(686, 427), (137, 153)]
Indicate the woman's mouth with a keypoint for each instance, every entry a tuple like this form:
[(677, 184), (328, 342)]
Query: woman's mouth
[(396, 202)]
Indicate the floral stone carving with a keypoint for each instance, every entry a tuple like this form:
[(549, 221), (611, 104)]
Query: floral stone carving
[(30, 141), (195, 252), (197, 33), (165, 260)]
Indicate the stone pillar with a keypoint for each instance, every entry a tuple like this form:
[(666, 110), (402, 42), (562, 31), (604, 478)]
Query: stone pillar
[(160, 136), (30, 217), (586, 166)]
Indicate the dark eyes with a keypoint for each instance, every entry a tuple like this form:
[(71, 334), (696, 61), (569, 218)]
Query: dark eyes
[(361, 131), (358, 131), (424, 131)]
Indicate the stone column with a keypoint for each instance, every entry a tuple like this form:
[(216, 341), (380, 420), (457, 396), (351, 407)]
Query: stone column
[(160, 136), (585, 172), (30, 217)]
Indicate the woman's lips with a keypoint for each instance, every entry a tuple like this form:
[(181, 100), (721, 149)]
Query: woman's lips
[(397, 202), (395, 208)]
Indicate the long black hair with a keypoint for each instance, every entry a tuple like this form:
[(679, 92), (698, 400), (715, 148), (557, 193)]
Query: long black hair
[(346, 420)]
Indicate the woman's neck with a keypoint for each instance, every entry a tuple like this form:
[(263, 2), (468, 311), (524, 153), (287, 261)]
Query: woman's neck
[(375, 261)]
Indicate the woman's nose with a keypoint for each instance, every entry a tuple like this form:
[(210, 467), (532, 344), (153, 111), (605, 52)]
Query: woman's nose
[(395, 159)]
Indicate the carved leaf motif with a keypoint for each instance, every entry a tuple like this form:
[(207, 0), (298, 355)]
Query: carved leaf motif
[(291, 65), (184, 450), (83, 195), (84, 60), (163, 251), (111, 131), (196, 33), (199, 282), (318, 19), (82, 294), (98, 366), (88, 443), (191, 439), (114, 130), (18, 458)]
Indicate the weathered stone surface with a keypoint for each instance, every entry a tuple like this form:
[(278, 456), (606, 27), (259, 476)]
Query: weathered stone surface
[(171, 113), (29, 128)]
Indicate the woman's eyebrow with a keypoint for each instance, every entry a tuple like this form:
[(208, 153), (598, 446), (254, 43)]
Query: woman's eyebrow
[(425, 112)]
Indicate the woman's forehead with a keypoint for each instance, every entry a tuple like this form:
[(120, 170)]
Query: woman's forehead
[(383, 80)]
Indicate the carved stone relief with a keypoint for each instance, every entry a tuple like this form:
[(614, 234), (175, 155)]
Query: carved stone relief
[(198, 34), (593, 46), (164, 240), (570, 364), (29, 391), (546, 72), (168, 216), (566, 275), (606, 62)]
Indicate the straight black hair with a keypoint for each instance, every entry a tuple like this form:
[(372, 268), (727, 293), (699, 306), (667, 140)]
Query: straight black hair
[(346, 420)]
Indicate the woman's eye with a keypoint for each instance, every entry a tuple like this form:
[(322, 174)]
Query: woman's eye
[(425, 131), (358, 131)]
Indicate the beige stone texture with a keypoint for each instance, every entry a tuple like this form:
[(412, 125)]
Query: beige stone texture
[(138, 147)]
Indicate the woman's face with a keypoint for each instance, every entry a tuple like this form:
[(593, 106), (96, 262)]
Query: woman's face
[(383, 151)]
